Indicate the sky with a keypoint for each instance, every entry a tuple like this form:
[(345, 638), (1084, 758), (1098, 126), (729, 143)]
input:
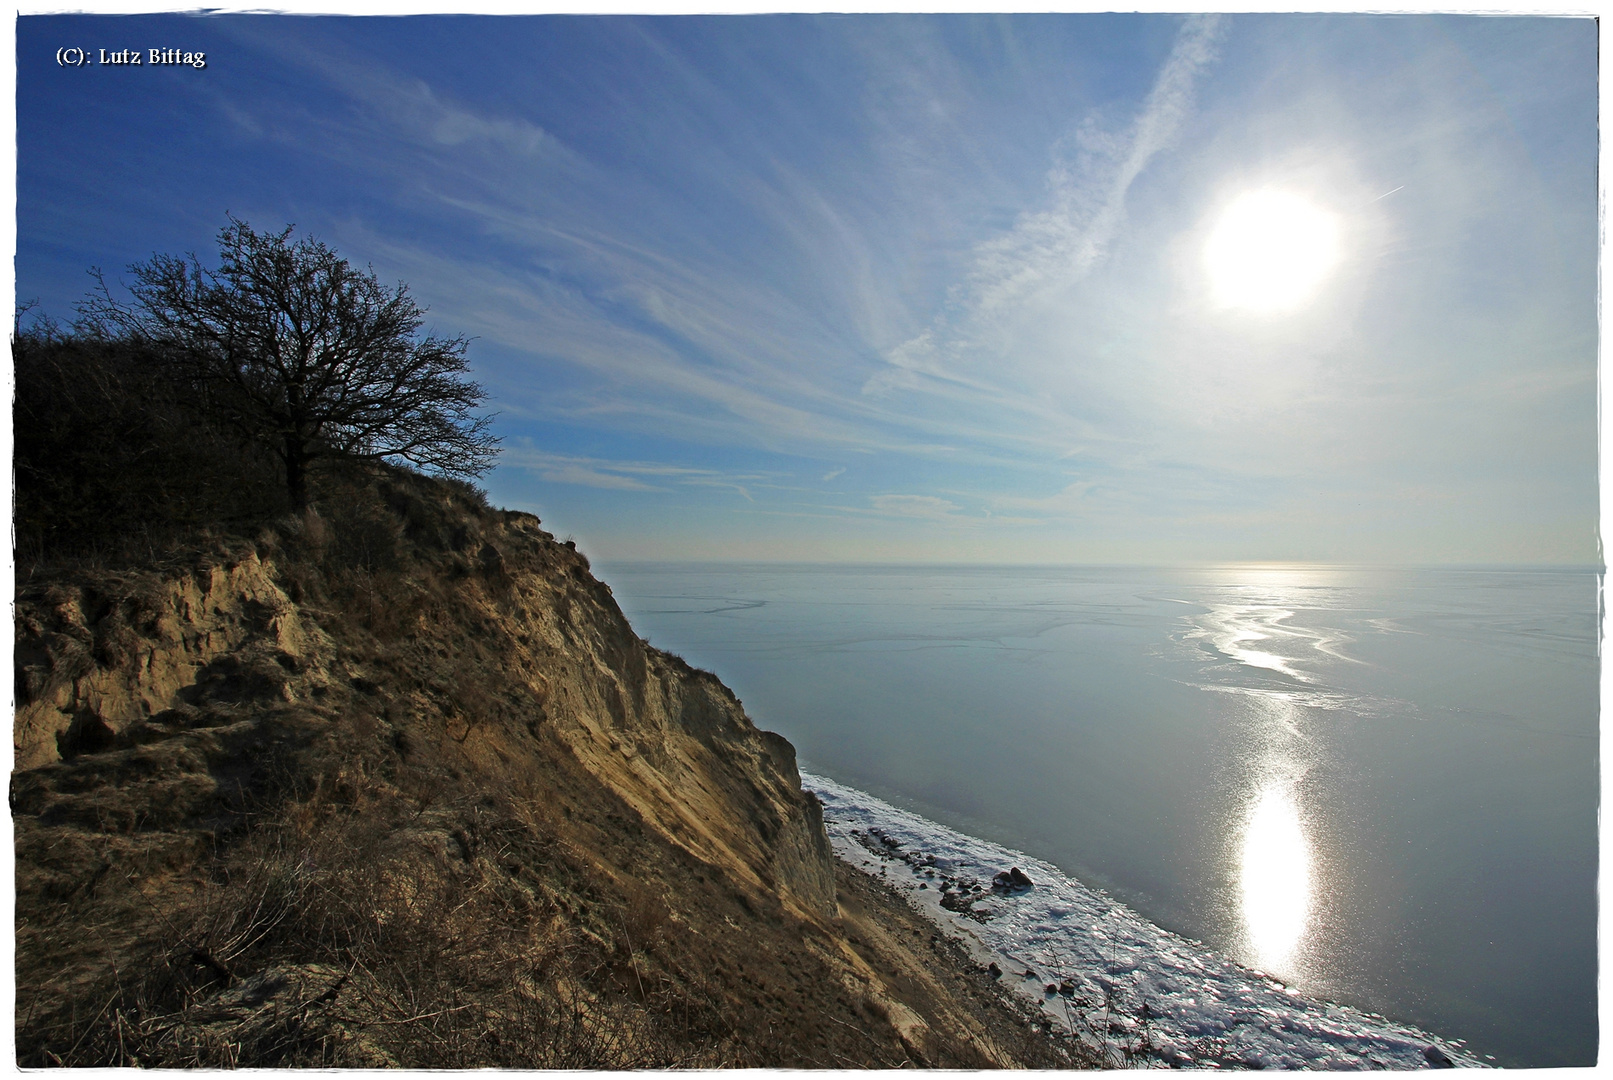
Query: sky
[(994, 289)]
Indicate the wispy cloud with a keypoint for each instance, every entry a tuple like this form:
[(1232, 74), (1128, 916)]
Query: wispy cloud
[(1064, 502), (408, 107), (919, 506), (1064, 241), (957, 254), (1068, 239), (675, 333), (412, 106), (583, 476), (627, 475)]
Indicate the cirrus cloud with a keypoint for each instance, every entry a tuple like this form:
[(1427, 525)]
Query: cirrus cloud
[(920, 506)]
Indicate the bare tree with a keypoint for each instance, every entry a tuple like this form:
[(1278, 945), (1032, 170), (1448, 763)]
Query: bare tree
[(304, 354)]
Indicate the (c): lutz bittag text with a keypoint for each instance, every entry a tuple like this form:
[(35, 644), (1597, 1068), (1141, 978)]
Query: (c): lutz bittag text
[(71, 56)]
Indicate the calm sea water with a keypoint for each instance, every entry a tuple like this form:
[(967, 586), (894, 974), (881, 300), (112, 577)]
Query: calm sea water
[(1379, 785)]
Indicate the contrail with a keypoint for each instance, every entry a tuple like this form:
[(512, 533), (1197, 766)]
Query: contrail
[(1063, 242), (1385, 195), (1073, 234)]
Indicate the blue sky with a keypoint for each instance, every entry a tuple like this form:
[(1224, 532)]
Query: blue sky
[(912, 288)]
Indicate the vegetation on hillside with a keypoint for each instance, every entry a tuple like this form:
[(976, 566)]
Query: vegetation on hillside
[(355, 770), (383, 849), (211, 395), (114, 457)]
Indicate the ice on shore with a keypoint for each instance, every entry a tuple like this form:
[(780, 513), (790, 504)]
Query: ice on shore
[(1116, 978)]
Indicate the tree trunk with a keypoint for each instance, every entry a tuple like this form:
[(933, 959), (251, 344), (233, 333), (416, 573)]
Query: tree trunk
[(296, 475)]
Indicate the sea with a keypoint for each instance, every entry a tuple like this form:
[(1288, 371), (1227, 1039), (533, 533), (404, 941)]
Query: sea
[(1361, 789)]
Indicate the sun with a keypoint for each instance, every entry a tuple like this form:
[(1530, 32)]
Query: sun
[(1269, 251)]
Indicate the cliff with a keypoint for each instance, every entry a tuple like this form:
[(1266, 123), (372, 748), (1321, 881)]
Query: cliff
[(395, 783)]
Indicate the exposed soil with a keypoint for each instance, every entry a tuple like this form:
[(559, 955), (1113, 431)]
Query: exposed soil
[(394, 784)]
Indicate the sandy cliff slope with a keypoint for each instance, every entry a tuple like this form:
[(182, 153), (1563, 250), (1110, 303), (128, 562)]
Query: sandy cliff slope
[(395, 783)]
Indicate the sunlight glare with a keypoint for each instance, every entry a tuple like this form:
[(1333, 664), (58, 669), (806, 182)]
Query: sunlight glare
[(1269, 251), (1275, 876)]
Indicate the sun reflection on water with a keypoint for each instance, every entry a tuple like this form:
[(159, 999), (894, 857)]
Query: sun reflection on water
[(1275, 875), (1271, 622)]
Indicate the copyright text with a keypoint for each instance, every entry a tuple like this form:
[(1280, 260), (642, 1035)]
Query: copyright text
[(72, 56)]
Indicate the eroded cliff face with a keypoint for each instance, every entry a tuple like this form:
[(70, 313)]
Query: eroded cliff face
[(672, 742), (292, 798), (120, 658), (96, 658)]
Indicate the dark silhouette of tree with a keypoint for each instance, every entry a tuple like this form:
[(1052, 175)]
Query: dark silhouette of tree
[(303, 354)]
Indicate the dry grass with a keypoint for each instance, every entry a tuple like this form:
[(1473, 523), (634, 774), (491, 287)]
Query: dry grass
[(379, 933), (401, 863)]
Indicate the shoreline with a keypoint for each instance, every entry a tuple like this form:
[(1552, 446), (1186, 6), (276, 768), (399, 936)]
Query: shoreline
[(930, 987), (1122, 985)]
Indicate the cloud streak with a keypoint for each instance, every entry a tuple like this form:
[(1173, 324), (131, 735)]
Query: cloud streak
[(919, 506), (917, 274), (1062, 243), (627, 475)]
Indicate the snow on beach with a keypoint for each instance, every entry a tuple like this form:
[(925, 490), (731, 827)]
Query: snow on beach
[(1126, 986)]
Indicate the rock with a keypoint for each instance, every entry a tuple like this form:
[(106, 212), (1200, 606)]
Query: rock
[(1050, 989), (492, 560), (1437, 1058), (1011, 880), (995, 971)]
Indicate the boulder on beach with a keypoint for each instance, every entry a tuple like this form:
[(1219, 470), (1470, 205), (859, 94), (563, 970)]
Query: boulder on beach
[(1011, 879), (1437, 1058)]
